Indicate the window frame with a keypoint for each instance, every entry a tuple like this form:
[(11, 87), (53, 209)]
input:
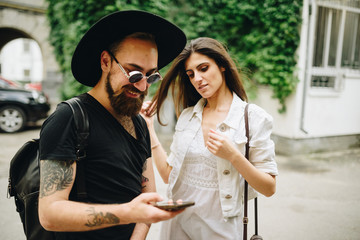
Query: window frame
[(337, 71)]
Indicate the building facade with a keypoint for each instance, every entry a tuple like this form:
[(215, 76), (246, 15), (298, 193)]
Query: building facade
[(323, 114)]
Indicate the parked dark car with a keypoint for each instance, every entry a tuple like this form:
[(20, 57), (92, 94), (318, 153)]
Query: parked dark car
[(19, 106)]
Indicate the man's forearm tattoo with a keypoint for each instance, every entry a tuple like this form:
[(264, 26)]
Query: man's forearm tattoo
[(55, 176), (98, 218)]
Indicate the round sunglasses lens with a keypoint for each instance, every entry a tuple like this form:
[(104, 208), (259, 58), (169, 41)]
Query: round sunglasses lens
[(153, 78), (135, 77)]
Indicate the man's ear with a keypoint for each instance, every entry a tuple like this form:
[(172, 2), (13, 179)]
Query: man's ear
[(105, 61)]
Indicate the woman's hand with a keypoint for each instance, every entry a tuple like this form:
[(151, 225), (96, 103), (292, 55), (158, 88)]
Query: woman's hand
[(144, 113), (220, 145)]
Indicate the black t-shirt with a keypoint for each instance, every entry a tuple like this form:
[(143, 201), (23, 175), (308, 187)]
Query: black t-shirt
[(114, 159)]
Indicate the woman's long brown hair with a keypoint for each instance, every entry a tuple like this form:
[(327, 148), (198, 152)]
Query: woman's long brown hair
[(183, 92)]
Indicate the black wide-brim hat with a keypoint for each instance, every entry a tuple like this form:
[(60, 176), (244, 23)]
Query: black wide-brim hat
[(85, 63)]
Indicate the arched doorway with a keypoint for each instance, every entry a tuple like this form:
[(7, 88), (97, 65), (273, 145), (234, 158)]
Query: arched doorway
[(22, 21), (20, 58)]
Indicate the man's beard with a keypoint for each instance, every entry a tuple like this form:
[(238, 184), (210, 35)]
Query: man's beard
[(122, 104)]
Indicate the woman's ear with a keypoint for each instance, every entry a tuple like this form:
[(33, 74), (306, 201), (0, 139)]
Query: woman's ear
[(222, 69)]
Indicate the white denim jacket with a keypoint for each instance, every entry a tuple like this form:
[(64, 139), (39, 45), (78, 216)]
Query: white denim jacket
[(231, 183)]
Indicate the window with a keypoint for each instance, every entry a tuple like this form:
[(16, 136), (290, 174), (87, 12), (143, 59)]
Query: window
[(27, 74), (328, 35), (26, 44), (351, 49), (334, 35), (327, 38), (322, 81), (336, 42), (320, 37)]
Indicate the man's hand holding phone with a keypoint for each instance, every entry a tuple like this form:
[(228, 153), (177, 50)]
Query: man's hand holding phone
[(174, 206)]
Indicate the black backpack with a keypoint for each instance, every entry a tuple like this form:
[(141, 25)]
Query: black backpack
[(24, 176)]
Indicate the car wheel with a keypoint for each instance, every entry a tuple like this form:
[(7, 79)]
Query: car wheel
[(12, 119)]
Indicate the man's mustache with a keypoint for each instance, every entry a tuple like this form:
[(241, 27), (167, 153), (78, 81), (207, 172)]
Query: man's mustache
[(132, 89)]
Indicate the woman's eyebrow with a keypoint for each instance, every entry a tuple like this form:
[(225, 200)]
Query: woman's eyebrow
[(199, 65)]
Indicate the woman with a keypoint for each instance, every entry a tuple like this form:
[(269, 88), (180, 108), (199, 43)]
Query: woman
[(207, 163)]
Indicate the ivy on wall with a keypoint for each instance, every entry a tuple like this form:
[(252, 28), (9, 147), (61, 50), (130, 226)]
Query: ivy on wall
[(262, 36)]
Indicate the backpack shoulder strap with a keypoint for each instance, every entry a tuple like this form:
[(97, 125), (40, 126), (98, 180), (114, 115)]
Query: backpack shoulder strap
[(82, 125), (82, 131)]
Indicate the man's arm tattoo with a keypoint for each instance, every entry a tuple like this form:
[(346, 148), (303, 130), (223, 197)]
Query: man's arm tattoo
[(55, 176), (98, 218), (144, 180), (145, 165)]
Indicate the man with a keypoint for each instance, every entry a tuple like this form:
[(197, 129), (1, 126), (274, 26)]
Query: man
[(119, 57)]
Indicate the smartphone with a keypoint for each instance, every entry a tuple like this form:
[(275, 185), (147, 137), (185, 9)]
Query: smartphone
[(174, 206)]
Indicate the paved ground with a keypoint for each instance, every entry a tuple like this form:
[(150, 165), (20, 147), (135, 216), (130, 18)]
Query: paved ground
[(318, 196)]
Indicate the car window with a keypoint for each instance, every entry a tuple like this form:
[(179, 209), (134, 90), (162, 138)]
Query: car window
[(6, 84), (3, 84)]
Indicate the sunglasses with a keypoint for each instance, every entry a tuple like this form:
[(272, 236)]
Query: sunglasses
[(136, 76)]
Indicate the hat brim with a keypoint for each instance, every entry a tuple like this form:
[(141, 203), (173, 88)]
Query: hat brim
[(85, 63)]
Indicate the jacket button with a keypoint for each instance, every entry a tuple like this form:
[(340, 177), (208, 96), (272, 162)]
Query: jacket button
[(228, 196), (226, 172), (222, 128)]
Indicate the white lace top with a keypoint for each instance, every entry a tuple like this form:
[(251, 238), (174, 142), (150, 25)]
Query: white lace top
[(199, 167)]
